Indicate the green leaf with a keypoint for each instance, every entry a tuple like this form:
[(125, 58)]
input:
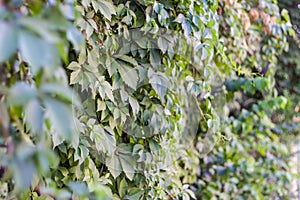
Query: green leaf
[(134, 194), (44, 29), (24, 172), (75, 37), (102, 192), (123, 187), (76, 77), (129, 75), (61, 118), (159, 82), (134, 105), (285, 14), (128, 166), (260, 83), (106, 8), (104, 141), (37, 52), (34, 116), (23, 166), (128, 59), (8, 40), (155, 58), (127, 160), (74, 66), (79, 188), (114, 165), (21, 93), (162, 44), (106, 89), (100, 105), (61, 91)]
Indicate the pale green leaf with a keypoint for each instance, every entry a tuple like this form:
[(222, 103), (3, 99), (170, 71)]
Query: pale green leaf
[(159, 82), (123, 187), (114, 165), (75, 37), (34, 116), (129, 75), (106, 8), (127, 167), (134, 105), (128, 59), (74, 66), (61, 118), (134, 194), (162, 44), (76, 77), (43, 28), (21, 93), (8, 40), (61, 91), (37, 52), (100, 105)]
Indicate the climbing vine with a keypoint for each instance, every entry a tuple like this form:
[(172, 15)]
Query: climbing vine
[(139, 99)]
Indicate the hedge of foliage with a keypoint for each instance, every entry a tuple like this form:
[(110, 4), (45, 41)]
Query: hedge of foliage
[(143, 100)]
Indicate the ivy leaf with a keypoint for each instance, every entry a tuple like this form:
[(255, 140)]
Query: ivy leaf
[(8, 41), (100, 191), (114, 165), (85, 3), (112, 66), (61, 118), (162, 44), (32, 47), (129, 75), (260, 83), (186, 25), (21, 93), (159, 82), (24, 173), (76, 75), (127, 160), (106, 8), (128, 59), (285, 14), (75, 37), (134, 194), (79, 188), (155, 58), (23, 166), (106, 89), (34, 116), (104, 141), (74, 66), (123, 187), (134, 105), (127, 166), (42, 28), (100, 105), (61, 91)]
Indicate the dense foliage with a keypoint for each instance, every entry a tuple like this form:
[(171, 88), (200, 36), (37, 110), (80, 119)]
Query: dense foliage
[(144, 100)]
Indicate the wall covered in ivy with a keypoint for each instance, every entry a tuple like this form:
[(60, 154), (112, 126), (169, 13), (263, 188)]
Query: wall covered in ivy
[(146, 99)]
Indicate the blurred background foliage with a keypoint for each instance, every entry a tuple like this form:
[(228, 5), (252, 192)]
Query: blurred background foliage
[(149, 99)]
